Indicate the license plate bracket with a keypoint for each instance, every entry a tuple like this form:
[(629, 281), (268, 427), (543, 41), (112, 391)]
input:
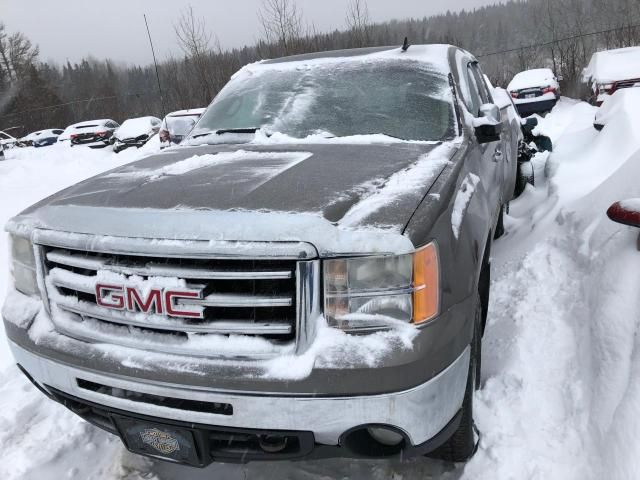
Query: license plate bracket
[(167, 442)]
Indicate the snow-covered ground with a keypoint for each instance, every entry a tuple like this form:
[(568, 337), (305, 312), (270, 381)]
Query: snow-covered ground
[(561, 367)]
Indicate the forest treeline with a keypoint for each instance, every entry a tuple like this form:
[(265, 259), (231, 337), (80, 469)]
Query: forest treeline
[(507, 37)]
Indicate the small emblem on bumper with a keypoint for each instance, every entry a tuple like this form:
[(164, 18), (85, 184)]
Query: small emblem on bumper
[(163, 442)]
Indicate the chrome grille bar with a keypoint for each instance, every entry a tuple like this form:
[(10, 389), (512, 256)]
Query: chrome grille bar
[(86, 284), (156, 270), (86, 310)]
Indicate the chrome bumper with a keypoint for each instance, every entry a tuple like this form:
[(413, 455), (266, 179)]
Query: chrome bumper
[(420, 412)]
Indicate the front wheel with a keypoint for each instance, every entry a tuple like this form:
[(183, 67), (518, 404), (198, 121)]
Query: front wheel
[(462, 445)]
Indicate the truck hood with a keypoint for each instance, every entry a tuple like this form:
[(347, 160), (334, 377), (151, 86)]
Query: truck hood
[(255, 193)]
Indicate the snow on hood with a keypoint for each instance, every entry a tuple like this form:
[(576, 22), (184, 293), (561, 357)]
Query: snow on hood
[(134, 127), (257, 194), (613, 65), (539, 77)]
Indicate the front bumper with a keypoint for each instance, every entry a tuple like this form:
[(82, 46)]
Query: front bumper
[(420, 413)]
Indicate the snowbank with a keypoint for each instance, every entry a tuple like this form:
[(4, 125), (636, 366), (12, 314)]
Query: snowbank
[(561, 394)]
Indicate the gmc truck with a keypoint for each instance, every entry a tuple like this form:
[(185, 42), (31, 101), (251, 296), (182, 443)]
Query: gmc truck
[(305, 276)]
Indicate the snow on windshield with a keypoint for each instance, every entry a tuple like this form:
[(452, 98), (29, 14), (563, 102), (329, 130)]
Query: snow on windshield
[(409, 100), (181, 125)]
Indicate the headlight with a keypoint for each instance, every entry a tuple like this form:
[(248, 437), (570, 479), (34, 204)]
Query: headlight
[(23, 266), (371, 293)]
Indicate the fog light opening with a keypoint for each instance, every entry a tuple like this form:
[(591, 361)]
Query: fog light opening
[(272, 443), (385, 436), (374, 441)]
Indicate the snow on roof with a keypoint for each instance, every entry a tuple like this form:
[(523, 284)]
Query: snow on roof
[(437, 56), (538, 77), (613, 65), (190, 111), (134, 127), (89, 123), (48, 132)]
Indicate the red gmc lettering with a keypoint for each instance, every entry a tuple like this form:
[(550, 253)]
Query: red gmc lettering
[(136, 303), (110, 296), (157, 301)]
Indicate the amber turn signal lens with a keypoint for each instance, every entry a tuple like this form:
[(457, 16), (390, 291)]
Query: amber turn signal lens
[(426, 284)]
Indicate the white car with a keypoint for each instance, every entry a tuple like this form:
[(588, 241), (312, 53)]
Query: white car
[(93, 133), (7, 141), (42, 138), (135, 132), (534, 91), (612, 70), (177, 125)]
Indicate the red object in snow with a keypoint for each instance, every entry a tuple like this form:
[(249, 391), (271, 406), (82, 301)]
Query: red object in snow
[(619, 212)]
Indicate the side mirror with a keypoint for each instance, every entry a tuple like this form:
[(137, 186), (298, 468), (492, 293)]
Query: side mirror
[(488, 126), (626, 212)]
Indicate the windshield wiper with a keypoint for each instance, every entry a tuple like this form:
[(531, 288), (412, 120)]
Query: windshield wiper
[(222, 131)]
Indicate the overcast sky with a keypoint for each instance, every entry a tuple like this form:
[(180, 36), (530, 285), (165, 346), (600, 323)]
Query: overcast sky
[(72, 29)]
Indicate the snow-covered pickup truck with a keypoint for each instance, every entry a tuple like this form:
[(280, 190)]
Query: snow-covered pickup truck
[(307, 275)]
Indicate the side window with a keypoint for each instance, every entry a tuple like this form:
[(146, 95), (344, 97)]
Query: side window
[(474, 101), (485, 95)]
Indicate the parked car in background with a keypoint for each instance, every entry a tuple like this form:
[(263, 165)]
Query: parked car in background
[(614, 106), (534, 91), (610, 71), (177, 125), (42, 138), (8, 141), (135, 132), (94, 133)]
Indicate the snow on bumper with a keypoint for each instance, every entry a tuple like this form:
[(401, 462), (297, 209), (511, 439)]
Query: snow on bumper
[(421, 413)]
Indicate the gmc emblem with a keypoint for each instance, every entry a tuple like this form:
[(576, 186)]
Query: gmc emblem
[(157, 301)]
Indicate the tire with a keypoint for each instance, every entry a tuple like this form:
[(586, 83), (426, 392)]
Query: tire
[(524, 175), (499, 231), (462, 445)]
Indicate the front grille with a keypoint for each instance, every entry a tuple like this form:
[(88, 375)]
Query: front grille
[(255, 298)]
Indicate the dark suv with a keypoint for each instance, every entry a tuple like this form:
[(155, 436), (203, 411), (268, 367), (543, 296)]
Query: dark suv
[(307, 275)]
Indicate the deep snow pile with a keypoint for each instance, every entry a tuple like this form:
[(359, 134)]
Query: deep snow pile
[(561, 366)]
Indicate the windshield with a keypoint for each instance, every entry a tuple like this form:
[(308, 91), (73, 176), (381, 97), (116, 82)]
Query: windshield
[(181, 125), (407, 100)]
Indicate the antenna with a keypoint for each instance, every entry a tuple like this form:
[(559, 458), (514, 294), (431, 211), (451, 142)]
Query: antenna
[(405, 45), (153, 52)]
